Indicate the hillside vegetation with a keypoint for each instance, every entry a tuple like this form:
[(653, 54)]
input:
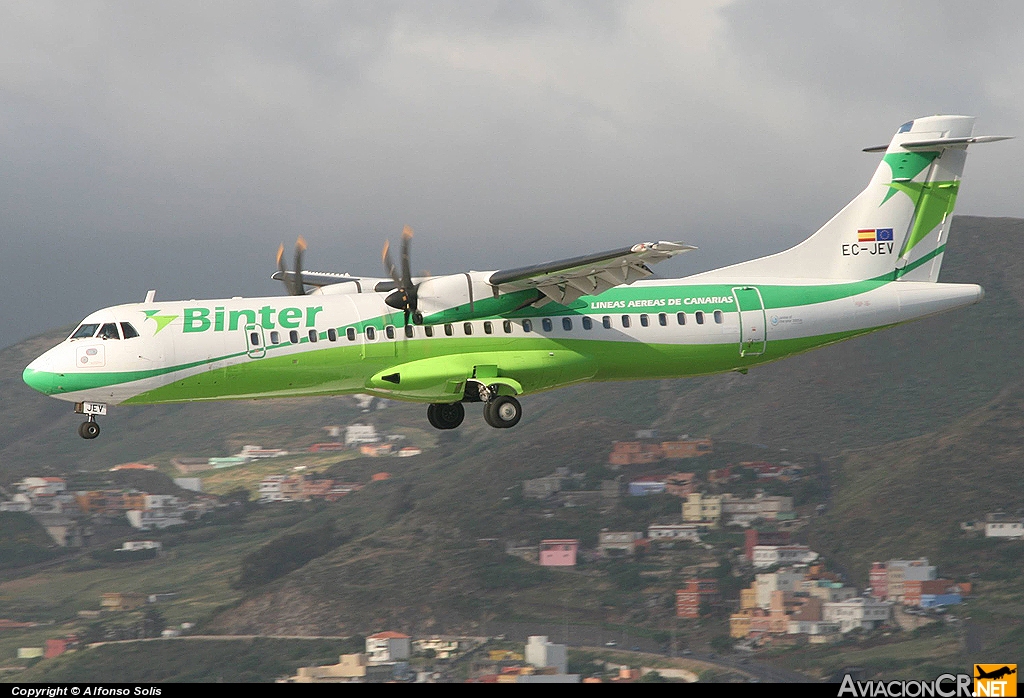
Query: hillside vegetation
[(919, 427)]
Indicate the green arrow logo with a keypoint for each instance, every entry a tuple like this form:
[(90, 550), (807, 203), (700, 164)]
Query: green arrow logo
[(161, 321)]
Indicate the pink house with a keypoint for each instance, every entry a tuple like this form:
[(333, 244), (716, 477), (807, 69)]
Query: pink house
[(559, 552)]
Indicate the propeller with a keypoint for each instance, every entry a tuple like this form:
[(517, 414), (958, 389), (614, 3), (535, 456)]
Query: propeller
[(292, 280), (404, 297)]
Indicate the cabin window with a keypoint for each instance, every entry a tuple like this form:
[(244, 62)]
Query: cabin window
[(254, 339), (567, 324), (527, 325), (128, 331), (546, 324), (351, 334), (275, 337), (332, 335), (506, 327), (588, 324), (109, 331), (645, 321), (428, 330), (488, 327), (389, 331), (606, 322), (313, 336), (718, 317), (663, 319), (448, 329), (681, 318), (699, 317), (408, 331), (371, 333), (625, 321), (467, 327), (85, 331), (293, 336)]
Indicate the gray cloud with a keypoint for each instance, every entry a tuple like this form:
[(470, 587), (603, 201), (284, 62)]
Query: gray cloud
[(174, 145)]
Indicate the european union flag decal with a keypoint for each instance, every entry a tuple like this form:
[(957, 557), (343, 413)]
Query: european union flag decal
[(883, 234)]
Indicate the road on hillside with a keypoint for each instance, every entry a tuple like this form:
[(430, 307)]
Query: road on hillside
[(589, 636)]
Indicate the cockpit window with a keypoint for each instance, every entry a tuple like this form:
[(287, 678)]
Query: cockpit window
[(85, 331), (109, 331), (128, 331)]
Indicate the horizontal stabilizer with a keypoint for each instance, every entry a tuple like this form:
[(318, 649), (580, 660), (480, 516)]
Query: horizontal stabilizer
[(934, 143)]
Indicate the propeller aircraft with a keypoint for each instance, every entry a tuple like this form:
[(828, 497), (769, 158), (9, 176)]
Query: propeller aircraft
[(493, 337)]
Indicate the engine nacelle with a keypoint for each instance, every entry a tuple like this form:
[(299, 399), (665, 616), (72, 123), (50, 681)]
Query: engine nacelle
[(456, 297)]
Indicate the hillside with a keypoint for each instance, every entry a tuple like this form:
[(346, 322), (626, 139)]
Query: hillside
[(919, 425)]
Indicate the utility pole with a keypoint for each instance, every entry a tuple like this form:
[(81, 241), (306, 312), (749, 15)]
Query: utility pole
[(566, 606)]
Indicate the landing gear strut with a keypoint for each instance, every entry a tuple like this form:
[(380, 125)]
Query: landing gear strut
[(443, 415), (503, 412)]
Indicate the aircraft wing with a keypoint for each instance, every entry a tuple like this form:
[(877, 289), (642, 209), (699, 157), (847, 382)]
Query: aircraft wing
[(320, 279), (565, 280)]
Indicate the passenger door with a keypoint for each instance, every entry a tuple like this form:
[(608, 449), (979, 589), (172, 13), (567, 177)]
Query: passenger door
[(753, 324)]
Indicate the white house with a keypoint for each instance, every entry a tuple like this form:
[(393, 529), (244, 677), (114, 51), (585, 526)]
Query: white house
[(387, 646), (768, 555), (670, 532), (356, 434), (610, 543), (130, 545), (812, 627), (860, 612), (541, 653), (783, 580), (162, 510), (1005, 529)]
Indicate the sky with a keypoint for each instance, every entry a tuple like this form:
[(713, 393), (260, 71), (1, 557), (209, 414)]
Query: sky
[(173, 146)]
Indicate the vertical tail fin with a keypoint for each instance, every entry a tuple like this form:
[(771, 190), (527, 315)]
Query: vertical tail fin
[(898, 225)]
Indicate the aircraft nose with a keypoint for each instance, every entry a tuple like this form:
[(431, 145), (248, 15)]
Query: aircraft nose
[(39, 375)]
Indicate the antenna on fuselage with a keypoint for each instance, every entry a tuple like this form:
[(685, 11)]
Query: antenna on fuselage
[(150, 296)]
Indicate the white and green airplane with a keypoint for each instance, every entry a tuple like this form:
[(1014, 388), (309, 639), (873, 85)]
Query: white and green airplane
[(490, 337)]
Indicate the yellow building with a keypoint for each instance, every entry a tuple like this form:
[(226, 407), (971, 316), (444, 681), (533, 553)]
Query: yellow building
[(351, 667), (748, 597), (739, 624), (117, 601), (701, 507)]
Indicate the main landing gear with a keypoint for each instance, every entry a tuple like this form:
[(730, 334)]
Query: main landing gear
[(501, 412), (443, 415), (90, 428)]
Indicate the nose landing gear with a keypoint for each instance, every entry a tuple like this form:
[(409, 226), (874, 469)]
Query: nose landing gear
[(90, 429)]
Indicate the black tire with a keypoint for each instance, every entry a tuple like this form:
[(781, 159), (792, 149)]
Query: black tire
[(503, 412), (446, 415), (88, 430)]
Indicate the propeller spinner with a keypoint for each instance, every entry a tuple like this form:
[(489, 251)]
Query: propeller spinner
[(292, 280), (404, 297)]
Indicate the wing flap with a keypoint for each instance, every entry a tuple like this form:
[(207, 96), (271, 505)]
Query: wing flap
[(563, 281)]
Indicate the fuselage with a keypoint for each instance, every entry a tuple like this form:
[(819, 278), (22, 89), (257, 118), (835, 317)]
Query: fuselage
[(354, 343)]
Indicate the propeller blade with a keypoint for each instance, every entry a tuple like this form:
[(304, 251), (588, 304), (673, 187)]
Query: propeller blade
[(404, 298), (292, 280), (298, 289), (406, 267), (389, 266)]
